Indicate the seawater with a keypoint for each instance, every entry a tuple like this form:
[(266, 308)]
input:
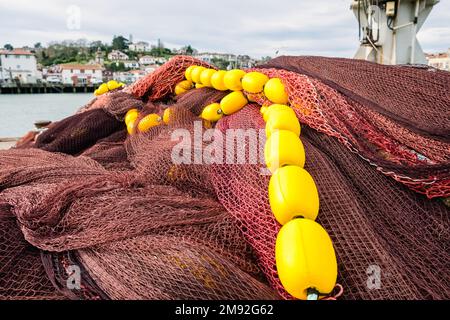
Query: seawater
[(18, 112)]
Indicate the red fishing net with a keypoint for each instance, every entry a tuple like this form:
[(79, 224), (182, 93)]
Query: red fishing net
[(138, 225)]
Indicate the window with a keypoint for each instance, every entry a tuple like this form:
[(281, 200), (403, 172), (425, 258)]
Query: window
[(28, 57)]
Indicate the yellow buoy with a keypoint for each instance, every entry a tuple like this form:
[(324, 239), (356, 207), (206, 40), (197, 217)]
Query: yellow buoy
[(166, 115), (195, 74), (217, 80), (205, 77), (113, 84), (263, 110), (276, 107), (187, 73), (274, 90), (233, 102), (186, 84), (293, 192), (102, 89), (283, 148), (179, 90), (96, 93), (212, 112), (305, 259), (131, 115), (232, 79), (254, 82), (282, 120), (131, 127), (199, 85), (148, 122)]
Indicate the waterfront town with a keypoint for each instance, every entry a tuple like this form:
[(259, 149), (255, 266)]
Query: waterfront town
[(90, 64)]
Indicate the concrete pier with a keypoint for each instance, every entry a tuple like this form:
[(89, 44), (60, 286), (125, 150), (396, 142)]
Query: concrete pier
[(45, 88)]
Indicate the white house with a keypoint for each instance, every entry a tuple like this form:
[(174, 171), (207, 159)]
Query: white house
[(150, 68), (131, 64), (439, 60), (241, 61), (117, 55), (18, 64), (140, 46), (79, 74), (146, 60), (208, 57)]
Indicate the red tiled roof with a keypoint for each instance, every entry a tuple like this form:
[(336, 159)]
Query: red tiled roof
[(77, 66), (17, 52), (437, 55)]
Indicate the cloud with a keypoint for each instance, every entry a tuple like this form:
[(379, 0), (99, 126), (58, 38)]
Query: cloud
[(257, 28)]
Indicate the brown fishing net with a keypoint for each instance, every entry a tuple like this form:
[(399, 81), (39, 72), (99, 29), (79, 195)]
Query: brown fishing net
[(138, 225)]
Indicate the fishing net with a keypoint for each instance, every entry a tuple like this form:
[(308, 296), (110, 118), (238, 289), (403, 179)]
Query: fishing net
[(88, 198)]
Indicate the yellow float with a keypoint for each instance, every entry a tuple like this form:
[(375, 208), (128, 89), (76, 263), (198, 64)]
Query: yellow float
[(102, 89), (179, 90), (212, 112), (195, 74), (131, 127), (205, 77), (199, 85), (185, 84), (274, 90), (233, 102), (276, 107), (166, 115), (283, 148), (183, 87), (113, 84), (217, 80), (282, 120), (232, 79), (131, 115), (305, 259), (254, 82), (148, 122), (187, 73), (293, 192), (263, 110)]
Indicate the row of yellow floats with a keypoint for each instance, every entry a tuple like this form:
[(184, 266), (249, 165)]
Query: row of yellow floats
[(108, 86), (146, 123), (304, 253)]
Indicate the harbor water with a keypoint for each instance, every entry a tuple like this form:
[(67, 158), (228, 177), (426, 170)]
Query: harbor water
[(19, 112)]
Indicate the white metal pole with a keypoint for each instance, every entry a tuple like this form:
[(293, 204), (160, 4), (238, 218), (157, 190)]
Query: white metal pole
[(414, 31)]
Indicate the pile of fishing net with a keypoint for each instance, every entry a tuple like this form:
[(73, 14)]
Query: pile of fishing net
[(88, 197)]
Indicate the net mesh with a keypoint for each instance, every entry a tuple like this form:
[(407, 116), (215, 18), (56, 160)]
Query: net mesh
[(140, 226)]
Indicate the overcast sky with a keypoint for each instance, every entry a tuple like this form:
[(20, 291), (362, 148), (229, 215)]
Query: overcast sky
[(254, 27)]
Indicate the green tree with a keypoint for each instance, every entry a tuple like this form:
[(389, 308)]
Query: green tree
[(189, 50), (116, 66), (96, 45), (8, 46), (120, 43), (38, 45)]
